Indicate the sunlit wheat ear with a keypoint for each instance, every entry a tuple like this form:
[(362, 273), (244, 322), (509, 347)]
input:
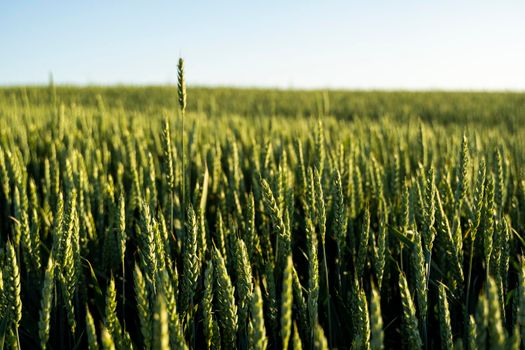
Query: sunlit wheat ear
[(257, 334), (244, 284), (300, 303), (22, 230), (320, 342), (107, 340), (91, 332), (207, 305), (181, 85), (286, 303), (488, 221), (471, 333), (449, 247), (496, 330), (380, 249), (297, 344), (419, 276), (429, 231), (147, 245), (190, 263), (479, 193), (319, 147), (12, 289), (513, 342), (160, 325), (181, 89), (411, 334), (70, 271), (482, 321), (46, 303), (313, 276), (321, 222), (320, 206), (168, 167), (361, 319), (121, 228), (445, 328), (405, 211), (251, 239), (167, 154), (176, 336), (225, 301), (499, 183), (66, 260), (278, 227), (377, 178), (462, 173), (340, 218), (34, 225), (111, 322), (143, 306), (376, 321)]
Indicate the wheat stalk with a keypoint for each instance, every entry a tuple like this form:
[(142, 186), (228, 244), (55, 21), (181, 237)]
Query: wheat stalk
[(224, 293)]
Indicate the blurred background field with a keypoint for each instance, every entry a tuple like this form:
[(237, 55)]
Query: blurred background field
[(434, 107)]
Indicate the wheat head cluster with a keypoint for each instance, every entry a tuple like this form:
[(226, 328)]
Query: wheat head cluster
[(259, 219)]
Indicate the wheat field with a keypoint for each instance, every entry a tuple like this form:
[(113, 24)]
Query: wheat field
[(160, 218)]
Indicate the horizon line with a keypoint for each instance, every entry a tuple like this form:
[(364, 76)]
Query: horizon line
[(5, 86)]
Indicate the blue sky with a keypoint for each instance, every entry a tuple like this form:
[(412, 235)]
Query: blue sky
[(302, 44)]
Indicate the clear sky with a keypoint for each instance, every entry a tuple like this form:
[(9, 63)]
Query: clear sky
[(423, 44)]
